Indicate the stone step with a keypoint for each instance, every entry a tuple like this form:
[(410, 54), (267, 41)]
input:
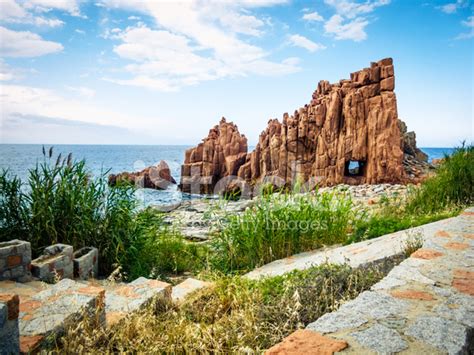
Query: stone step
[(54, 308), (425, 305), (122, 299), (355, 255), (183, 289)]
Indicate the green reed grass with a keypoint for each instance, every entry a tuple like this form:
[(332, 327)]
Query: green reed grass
[(280, 225), (62, 203), (441, 196), (453, 184)]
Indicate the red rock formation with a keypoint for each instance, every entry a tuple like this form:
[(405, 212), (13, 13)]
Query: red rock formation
[(219, 155), (154, 177), (348, 133)]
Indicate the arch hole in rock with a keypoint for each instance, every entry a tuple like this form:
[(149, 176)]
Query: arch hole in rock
[(354, 168)]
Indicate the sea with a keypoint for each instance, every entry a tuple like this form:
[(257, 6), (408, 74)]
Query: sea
[(108, 159)]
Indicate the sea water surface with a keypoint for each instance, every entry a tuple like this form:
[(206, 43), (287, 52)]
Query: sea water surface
[(101, 159)]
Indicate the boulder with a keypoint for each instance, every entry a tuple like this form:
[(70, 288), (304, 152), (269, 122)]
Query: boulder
[(154, 177)]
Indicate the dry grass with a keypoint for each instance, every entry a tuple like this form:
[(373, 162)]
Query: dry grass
[(235, 315), (413, 242)]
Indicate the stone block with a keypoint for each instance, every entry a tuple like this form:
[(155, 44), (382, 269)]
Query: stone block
[(61, 305), (15, 260), (381, 339), (56, 262), (9, 330), (186, 287), (335, 321), (307, 342), (86, 263), (134, 296), (443, 334)]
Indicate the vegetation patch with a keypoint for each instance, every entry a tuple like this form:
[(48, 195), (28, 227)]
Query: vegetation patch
[(234, 315), (280, 225), (62, 203), (441, 196)]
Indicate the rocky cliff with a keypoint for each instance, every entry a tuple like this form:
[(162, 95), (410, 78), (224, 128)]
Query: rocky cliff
[(348, 133)]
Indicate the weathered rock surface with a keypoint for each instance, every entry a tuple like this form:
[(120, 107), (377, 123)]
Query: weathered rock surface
[(154, 177), (348, 133), (220, 154), (415, 162), (409, 144)]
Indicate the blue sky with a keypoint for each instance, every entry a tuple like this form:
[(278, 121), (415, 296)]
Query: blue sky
[(164, 72)]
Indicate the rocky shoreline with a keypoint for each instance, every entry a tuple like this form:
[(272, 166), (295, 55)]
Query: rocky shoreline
[(198, 220)]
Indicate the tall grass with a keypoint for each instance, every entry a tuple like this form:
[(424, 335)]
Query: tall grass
[(63, 203), (160, 250), (453, 184), (13, 208), (280, 225), (234, 315), (441, 196)]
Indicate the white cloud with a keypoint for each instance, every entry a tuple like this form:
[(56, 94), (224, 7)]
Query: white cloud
[(82, 91), (468, 23), (6, 72), (81, 32), (347, 22), (198, 41), (449, 8), (26, 100), (132, 18), (259, 3), (70, 6), (313, 16), (27, 12), (10, 9), (50, 22), (303, 42), (453, 7), (352, 9), (238, 23), (353, 30), (32, 114), (25, 44)]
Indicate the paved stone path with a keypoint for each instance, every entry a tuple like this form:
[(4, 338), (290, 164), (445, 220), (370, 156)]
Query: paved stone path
[(425, 305), (43, 309)]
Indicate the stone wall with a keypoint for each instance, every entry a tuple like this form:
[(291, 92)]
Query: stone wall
[(86, 263), (9, 330), (15, 260), (353, 121), (56, 262)]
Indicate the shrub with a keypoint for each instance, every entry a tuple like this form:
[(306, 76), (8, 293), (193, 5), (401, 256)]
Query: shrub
[(393, 217), (160, 251), (13, 208), (281, 225), (453, 184)]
